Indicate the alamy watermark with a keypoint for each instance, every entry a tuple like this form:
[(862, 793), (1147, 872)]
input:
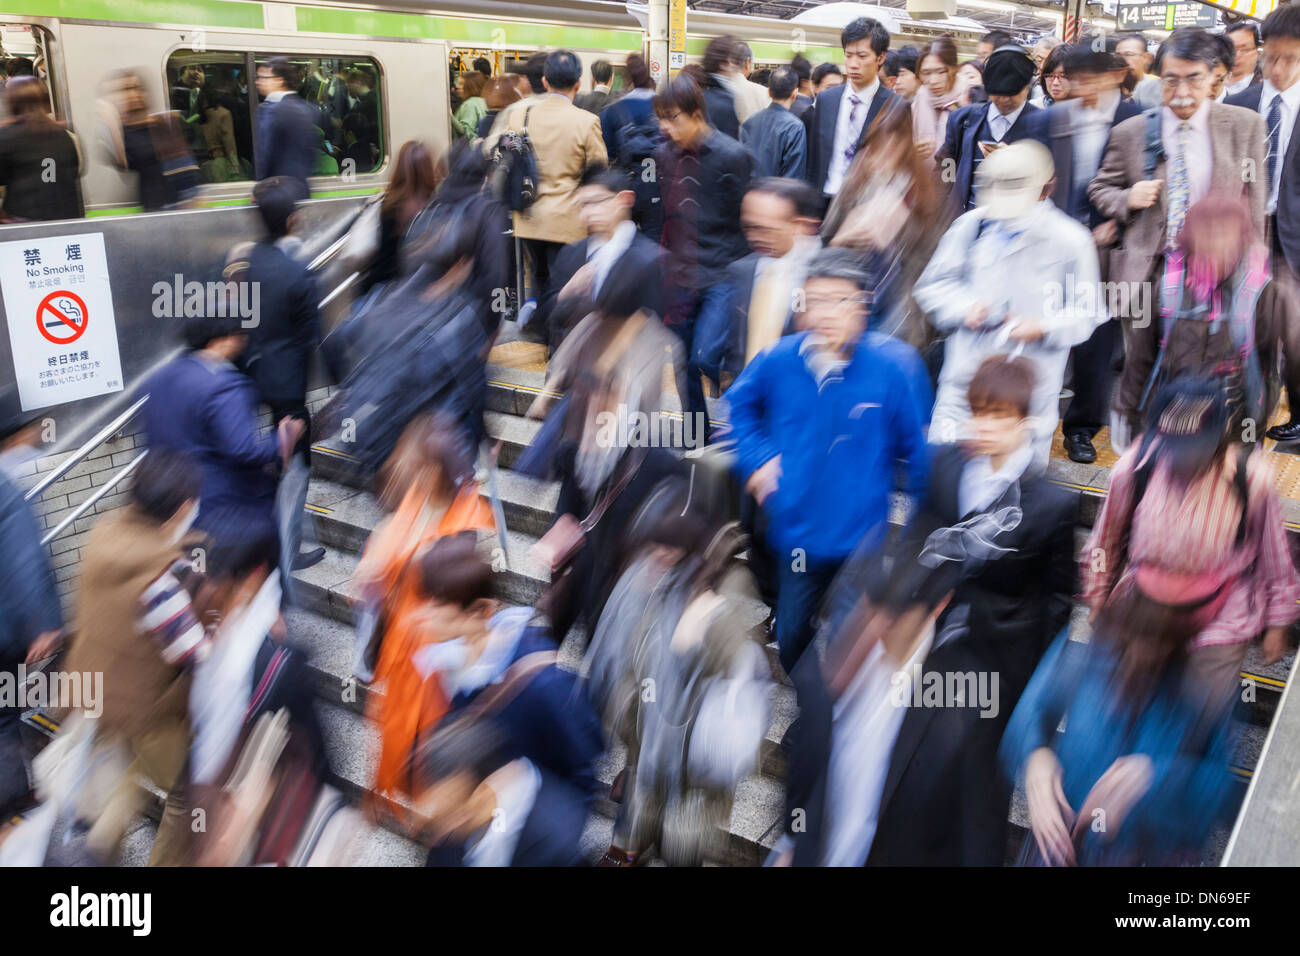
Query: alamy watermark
[(633, 428), (60, 690), (180, 299)]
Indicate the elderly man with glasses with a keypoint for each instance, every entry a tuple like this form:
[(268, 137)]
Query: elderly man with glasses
[(1160, 163)]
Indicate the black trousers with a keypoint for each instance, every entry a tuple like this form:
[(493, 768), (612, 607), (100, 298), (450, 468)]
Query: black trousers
[(541, 257), (1284, 334), (1094, 379)]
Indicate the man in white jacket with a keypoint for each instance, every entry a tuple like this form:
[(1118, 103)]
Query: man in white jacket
[(1014, 275)]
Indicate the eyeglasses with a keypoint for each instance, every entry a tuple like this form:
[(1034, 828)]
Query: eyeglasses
[(1194, 80), (835, 301)]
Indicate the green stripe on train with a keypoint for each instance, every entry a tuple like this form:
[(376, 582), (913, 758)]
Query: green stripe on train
[(199, 13), (480, 32), (241, 201)]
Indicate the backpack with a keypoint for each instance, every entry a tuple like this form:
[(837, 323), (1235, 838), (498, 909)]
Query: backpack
[(516, 169), (637, 145)]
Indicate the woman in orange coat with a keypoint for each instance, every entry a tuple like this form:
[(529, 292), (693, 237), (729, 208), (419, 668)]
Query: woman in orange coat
[(433, 475)]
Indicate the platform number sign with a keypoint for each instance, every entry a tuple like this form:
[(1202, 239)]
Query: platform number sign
[(1165, 16), (58, 306)]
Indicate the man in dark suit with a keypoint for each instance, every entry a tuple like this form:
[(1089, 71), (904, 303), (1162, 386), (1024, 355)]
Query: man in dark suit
[(775, 136), (280, 349), (975, 131), (899, 776), (201, 405), (599, 97), (803, 98), (1077, 131), (475, 806), (1277, 99), (839, 119), (286, 131), (613, 247)]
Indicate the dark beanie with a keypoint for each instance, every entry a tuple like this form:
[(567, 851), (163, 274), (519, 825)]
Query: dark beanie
[(1007, 71)]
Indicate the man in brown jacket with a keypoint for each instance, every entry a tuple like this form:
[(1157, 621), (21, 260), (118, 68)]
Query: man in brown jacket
[(566, 140), (1160, 163), (135, 625)]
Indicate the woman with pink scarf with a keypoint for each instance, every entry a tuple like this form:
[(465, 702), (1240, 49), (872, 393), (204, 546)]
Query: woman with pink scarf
[(939, 95)]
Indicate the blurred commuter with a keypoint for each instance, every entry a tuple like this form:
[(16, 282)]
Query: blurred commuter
[(566, 140), (974, 132), (821, 467), (436, 496), (40, 160), (31, 613), (803, 94), (500, 665), (1142, 87), (612, 370), (839, 120), (971, 77), (498, 93), (279, 353), (939, 96), (599, 97), (614, 251), (1077, 131), (886, 212), (779, 217), (1205, 146), (410, 189), (774, 135), (1277, 99), (1140, 774), (224, 163), (703, 175), (1014, 273), (632, 137), (991, 550), (475, 805), (201, 405), (674, 622), (150, 145), (286, 143), (722, 111), (1246, 68), (136, 626), (750, 97), (1222, 68), (1222, 316), (1192, 520), (1042, 50), (473, 107)]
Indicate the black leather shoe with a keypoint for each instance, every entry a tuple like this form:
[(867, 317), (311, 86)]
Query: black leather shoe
[(1285, 433), (308, 559), (1079, 448)]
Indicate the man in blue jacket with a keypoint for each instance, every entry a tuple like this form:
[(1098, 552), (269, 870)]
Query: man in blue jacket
[(821, 420), (31, 616), (202, 406)]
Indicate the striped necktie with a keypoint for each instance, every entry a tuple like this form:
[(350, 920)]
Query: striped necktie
[(1179, 187), (852, 149), (1274, 140)]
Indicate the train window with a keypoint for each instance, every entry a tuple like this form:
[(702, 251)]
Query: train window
[(24, 51), (344, 92), (210, 92)]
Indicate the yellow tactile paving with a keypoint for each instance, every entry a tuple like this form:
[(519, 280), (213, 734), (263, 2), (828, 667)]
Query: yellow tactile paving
[(528, 356)]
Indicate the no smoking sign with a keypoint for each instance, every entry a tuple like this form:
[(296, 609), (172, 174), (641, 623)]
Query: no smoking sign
[(61, 317)]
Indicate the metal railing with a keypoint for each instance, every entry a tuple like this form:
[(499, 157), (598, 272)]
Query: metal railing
[(120, 421)]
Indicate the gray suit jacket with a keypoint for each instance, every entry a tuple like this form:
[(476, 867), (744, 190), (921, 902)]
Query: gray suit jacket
[(1237, 145)]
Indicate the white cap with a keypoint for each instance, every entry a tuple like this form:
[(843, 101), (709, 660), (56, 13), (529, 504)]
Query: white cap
[(1010, 181)]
